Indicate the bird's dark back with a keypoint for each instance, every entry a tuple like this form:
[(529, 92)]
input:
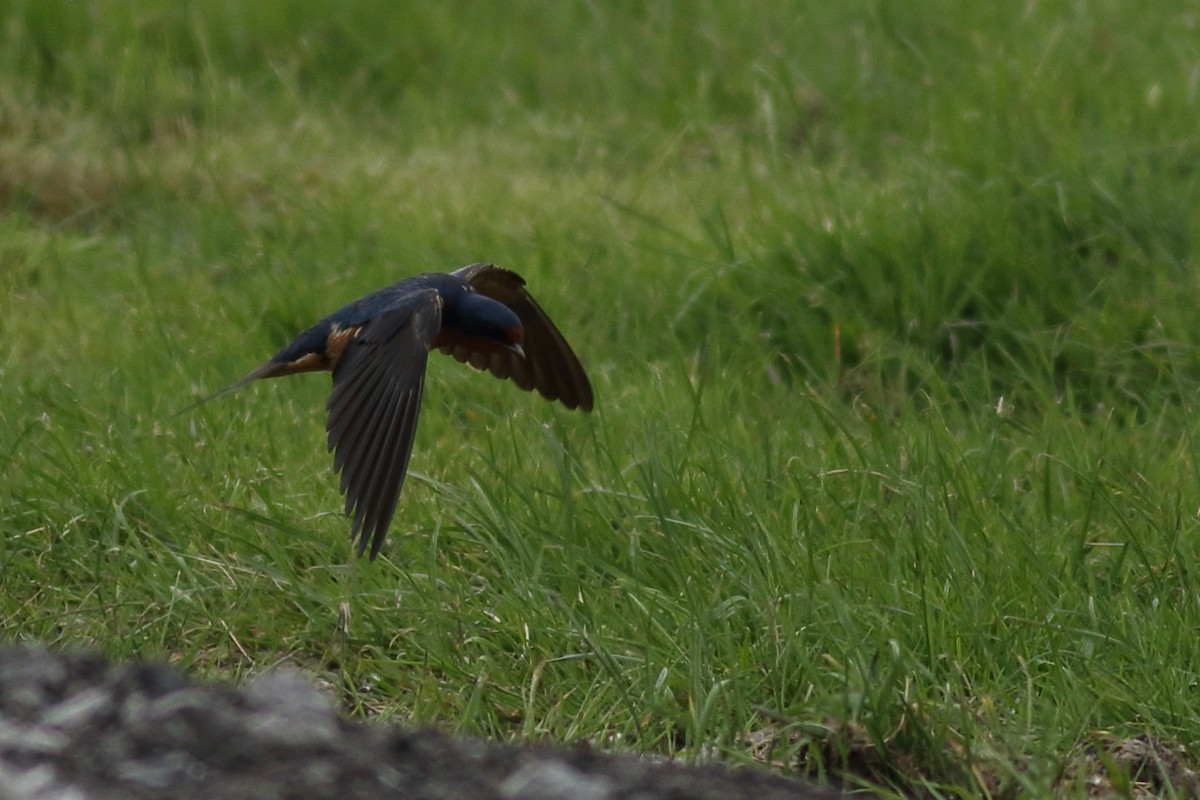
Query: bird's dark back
[(371, 307)]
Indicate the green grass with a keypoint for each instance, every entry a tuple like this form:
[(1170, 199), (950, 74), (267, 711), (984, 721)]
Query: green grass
[(890, 312)]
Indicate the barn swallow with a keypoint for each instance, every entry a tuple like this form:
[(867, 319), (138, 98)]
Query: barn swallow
[(377, 348)]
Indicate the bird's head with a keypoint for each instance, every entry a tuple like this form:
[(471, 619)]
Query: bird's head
[(481, 317)]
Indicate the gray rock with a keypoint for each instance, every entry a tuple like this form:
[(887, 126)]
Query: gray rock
[(77, 727)]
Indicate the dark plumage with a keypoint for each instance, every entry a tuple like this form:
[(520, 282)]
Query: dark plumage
[(377, 348)]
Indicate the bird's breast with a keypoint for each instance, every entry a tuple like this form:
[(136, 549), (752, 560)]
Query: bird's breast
[(450, 337)]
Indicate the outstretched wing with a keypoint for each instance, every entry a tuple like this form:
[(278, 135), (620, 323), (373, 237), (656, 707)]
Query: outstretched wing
[(550, 366), (373, 410)]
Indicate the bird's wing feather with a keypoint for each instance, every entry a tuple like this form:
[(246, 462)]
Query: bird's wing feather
[(373, 411), (550, 366)]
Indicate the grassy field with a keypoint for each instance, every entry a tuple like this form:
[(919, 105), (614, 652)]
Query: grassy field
[(890, 310)]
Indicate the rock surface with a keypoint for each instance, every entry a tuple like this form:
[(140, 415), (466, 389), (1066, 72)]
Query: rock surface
[(78, 727)]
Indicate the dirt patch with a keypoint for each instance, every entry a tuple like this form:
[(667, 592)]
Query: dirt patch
[(1139, 767), (80, 727)]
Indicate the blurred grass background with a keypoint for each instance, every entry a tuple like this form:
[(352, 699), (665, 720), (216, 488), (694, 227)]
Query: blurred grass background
[(890, 311)]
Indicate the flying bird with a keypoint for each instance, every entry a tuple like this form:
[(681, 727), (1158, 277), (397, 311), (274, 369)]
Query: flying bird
[(377, 349)]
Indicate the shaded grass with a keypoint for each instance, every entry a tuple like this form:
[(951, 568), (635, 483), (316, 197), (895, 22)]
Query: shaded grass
[(890, 317)]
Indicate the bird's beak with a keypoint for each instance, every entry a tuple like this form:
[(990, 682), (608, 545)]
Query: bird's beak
[(516, 348)]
